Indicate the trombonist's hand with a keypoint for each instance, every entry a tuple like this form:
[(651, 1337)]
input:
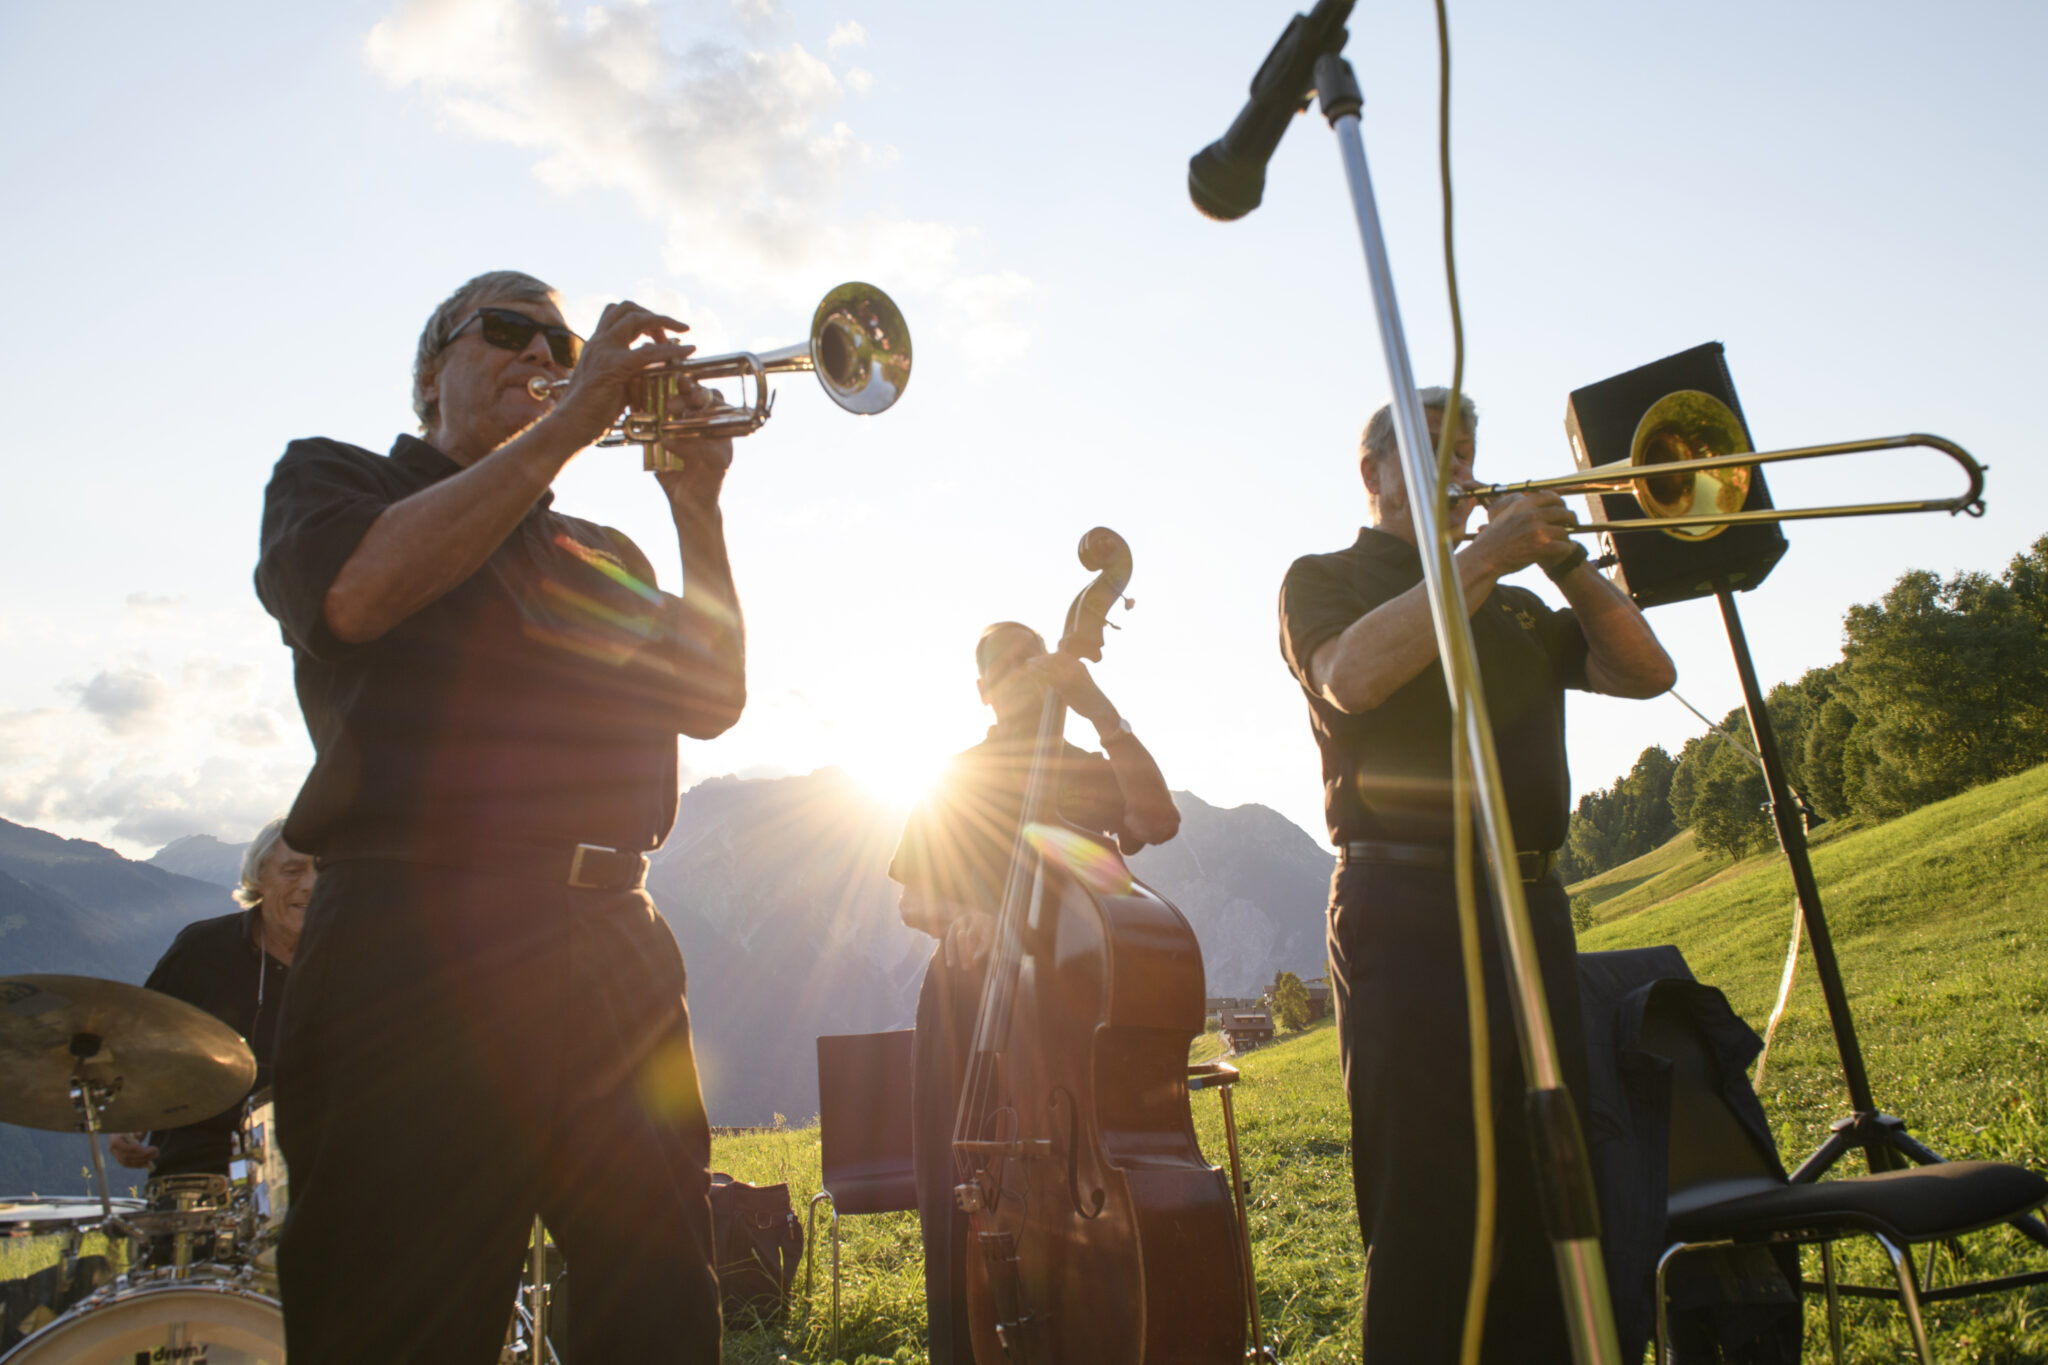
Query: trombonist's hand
[(1525, 529), (611, 360)]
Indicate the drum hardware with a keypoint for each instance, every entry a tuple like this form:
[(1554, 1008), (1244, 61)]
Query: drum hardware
[(186, 1208), (527, 1339), (859, 348), (1688, 436)]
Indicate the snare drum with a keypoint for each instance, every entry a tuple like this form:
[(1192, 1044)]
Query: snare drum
[(210, 1321), (36, 1217)]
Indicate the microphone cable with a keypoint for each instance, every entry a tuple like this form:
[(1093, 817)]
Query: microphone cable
[(1486, 1178)]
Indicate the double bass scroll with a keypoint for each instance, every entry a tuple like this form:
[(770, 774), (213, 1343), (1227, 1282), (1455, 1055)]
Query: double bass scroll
[(1099, 1232)]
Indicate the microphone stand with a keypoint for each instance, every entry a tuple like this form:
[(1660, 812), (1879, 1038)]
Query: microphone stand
[(1563, 1172)]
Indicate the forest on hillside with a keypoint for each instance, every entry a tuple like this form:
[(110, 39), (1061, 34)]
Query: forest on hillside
[(1942, 686)]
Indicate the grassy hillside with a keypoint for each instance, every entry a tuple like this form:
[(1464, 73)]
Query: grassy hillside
[(1939, 921)]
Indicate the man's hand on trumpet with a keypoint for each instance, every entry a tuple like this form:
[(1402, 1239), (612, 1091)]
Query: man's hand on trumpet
[(612, 358), (1524, 529), (600, 388)]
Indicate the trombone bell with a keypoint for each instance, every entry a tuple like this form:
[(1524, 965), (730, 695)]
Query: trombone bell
[(1682, 428)]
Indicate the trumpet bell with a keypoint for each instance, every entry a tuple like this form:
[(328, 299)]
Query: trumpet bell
[(1680, 428), (860, 348)]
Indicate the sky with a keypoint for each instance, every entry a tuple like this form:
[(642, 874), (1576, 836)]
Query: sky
[(227, 222)]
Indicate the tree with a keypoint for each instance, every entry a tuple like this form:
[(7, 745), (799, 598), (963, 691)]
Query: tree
[(1949, 685), (1290, 1002), (1728, 808), (1614, 825)]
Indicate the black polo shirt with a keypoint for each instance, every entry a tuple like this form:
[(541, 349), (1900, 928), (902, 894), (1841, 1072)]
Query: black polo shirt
[(216, 965), (957, 843), (1387, 771), (537, 701)]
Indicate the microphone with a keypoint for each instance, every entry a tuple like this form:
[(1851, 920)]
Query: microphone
[(1227, 178)]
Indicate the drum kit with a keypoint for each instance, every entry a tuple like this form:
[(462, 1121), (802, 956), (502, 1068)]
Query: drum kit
[(79, 1054)]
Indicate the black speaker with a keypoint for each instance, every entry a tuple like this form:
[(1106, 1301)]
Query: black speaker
[(1656, 566)]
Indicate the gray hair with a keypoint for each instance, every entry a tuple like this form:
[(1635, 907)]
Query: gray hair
[(247, 894), (493, 286), (1378, 440)]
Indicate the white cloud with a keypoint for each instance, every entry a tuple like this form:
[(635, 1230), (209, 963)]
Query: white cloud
[(127, 701), (738, 148), (138, 762)]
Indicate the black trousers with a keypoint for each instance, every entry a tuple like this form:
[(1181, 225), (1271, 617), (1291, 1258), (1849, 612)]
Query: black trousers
[(1400, 1003), (461, 1050), (946, 1010)]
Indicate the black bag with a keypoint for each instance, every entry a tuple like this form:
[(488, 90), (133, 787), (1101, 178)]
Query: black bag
[(757, 1244)]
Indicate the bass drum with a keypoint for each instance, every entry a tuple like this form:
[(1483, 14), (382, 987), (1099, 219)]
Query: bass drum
[(218, 1324)]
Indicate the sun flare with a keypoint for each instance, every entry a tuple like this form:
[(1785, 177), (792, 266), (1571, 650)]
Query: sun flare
[(899, 778)]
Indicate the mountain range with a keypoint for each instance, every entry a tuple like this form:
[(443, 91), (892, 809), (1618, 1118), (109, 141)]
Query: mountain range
[(777, 892)]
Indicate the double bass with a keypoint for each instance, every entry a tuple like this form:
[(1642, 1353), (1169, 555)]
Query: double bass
[(1098, 1231)]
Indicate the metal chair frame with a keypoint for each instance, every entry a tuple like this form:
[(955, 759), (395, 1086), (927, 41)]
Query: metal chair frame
[(888, 1185), (1742, 1188)]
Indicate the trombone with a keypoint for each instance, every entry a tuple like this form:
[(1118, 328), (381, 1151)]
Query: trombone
[(859, 348), (1689, 464)]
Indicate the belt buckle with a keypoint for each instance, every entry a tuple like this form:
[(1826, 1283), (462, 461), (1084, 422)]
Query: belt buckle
[(576, 866)]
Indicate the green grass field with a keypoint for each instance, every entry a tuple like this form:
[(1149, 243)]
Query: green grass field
[(1938, 920)]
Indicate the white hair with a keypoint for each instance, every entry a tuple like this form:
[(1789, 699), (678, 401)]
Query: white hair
[(248, 895), (1378, 440)]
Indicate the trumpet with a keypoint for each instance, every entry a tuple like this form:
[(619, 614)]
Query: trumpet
[(1689, 468), (859, 348)]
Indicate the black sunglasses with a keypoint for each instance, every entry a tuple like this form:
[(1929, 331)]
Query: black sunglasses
[(510, 330)]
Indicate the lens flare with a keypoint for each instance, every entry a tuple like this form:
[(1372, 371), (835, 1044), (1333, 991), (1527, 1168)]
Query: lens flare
[(1088, 861)]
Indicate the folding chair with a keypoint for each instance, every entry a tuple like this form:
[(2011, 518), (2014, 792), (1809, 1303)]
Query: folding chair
[(1727, 1191), (864, 1120)]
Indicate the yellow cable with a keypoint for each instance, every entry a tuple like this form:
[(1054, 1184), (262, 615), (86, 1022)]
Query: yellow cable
[(1485, 1175)]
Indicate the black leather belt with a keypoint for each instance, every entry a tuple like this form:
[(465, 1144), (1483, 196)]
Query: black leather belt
[(1535, 866), (588, 866)]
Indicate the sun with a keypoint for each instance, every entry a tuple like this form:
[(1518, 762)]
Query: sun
[(900, 778)]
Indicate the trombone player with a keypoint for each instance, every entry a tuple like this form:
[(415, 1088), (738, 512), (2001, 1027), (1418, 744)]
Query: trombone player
[(486, 1019), (1356, 632)]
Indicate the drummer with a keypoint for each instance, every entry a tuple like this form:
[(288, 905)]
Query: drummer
[(233, 967)]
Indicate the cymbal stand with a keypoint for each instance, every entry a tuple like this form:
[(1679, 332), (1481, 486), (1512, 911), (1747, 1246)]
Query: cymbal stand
[(89, 1097)]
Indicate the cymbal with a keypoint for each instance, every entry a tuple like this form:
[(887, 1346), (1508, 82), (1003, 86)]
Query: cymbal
[(161, 1062)]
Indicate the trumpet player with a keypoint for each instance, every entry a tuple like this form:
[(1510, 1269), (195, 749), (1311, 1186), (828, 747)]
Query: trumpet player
[(486, 1019), (1356, 632)]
